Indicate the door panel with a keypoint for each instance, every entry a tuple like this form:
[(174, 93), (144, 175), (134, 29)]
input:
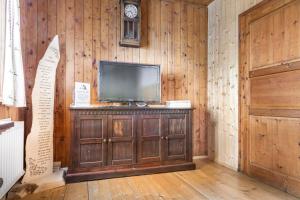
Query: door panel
[(92, 134), (287, 147), (265, 90), (121, 140), (175, 141), (149, 138), (262, 42), (275, 37), (262, 130), (292, 31)]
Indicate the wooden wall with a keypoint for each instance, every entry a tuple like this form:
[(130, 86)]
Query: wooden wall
[(14, 113), (223, 79), (174, 34)]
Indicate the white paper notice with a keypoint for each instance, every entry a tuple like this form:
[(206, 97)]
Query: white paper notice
[(82, 96), (39, 145)]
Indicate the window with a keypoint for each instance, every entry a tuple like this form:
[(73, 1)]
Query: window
[(11, 64), (2, 43)]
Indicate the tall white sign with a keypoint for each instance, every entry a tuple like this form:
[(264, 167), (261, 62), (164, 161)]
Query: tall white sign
[(39, 145)]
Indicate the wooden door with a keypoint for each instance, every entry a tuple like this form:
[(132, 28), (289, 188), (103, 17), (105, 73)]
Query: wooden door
[(175, 137), (149, 138), (270, 93), (121, 140), (90, 145)]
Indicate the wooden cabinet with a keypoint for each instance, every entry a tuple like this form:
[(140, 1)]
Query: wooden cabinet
[(120, 141)]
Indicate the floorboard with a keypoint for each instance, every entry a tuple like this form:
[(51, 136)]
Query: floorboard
[(209, 181)]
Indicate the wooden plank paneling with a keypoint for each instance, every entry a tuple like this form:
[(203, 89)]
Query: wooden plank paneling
[(173, 35), (96, 48), (222, 79), (60, 94), (69, 74), (14, 113), (30, 48)]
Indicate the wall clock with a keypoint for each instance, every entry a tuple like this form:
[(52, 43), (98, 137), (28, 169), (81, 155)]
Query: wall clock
[(130, 23)]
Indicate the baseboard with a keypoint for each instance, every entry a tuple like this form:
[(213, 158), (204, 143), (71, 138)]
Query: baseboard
[(226, 165), (200, 157), (117, 173)]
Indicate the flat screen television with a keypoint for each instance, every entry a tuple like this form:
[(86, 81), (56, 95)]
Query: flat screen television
[(127, 82)]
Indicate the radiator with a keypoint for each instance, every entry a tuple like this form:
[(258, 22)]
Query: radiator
[(11, 156)]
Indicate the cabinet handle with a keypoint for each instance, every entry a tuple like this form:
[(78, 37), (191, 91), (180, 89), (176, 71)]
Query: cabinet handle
[(162, 137), (104, 140), (167, 138), (109, 140)]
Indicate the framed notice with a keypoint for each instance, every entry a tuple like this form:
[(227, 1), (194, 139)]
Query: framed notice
[(82, 94)]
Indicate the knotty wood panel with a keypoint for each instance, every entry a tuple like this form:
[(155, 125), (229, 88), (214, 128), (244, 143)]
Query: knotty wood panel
[(286, 144), (261, 141), (276, 91), (274, 150), (275, 38), (174, 35), (14, 113), (223, 79)]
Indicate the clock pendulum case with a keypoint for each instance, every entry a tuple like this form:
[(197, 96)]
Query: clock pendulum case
[(130, 23)]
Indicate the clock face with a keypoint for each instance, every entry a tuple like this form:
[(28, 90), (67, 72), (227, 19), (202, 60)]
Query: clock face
[(131, 11)]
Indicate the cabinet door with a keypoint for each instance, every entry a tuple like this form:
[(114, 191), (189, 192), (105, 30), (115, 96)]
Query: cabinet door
[(121, 140), (175, 136), (149, 138), (91, 134)]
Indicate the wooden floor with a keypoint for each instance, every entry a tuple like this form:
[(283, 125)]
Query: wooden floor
[(209, 181)]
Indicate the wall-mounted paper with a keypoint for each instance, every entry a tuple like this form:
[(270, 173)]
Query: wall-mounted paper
[(82, 94)]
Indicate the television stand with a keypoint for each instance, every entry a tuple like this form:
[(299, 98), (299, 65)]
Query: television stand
[(109, 142)]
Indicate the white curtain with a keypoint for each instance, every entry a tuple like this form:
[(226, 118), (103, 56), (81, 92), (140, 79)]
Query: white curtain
[(13, 76), (2, 42)]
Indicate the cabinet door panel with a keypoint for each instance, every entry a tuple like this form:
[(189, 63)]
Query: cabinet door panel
[(121, 140), (149, 138), (175, 135), (91, 134)]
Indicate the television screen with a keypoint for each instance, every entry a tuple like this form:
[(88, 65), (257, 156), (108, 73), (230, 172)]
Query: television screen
[(124, 82)]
